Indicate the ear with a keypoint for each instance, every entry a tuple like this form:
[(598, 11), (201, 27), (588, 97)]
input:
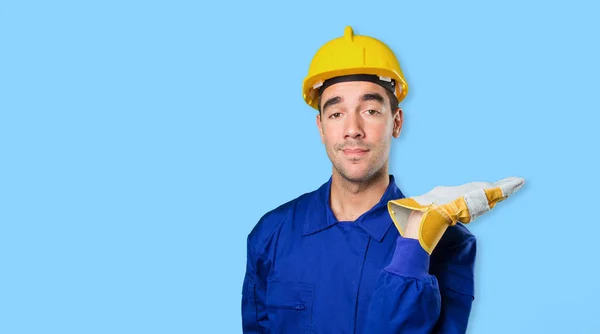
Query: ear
[(398, 120), (320, 127)]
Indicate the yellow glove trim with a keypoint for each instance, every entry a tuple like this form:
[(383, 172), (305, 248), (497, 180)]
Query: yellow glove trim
[(438, 217)]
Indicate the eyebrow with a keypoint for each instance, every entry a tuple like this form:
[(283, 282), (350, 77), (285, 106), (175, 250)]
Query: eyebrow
[(365, 97), (331, 101), (372, 96)]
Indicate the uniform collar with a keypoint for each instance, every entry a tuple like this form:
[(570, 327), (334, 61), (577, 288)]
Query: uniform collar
[(375, 222)]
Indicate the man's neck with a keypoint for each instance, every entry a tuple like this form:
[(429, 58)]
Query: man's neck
[(349, 200)]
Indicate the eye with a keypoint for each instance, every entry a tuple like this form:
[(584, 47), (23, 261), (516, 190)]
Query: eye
[(372, 112), (335, 115)]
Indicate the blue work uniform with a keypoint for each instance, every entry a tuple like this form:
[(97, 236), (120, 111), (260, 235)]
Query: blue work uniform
[(308, 272)]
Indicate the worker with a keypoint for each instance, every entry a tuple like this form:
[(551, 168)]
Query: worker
[(356, 255)]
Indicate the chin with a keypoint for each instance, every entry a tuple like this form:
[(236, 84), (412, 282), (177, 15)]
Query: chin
[(362, 171), (354, 175)]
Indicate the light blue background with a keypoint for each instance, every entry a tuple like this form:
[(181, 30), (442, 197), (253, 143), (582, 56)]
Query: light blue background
[(141, 141)]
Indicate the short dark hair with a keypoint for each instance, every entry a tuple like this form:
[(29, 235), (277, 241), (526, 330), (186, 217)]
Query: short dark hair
[(392, 97)]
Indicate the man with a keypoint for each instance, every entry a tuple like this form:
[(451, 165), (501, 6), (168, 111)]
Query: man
[(331, 261)]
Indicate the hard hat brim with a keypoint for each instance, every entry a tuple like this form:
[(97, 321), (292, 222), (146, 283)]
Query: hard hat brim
[(310, 94)]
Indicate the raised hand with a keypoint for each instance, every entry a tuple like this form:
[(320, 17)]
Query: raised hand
[(426, 217)]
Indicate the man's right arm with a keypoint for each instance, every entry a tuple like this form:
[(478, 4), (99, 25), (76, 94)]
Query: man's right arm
[(254, 311)]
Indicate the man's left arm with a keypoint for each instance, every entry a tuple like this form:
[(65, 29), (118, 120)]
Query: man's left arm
[(453, 265), (407, 297)]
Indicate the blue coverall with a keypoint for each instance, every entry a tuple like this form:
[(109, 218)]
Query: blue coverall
[(310, 273)]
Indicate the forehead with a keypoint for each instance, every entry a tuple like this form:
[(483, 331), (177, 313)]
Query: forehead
[(352, 90)]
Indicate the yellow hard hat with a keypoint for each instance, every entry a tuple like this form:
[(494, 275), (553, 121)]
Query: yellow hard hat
[(353, 55)]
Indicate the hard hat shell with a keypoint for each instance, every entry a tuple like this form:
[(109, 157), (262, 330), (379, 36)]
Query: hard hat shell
[(352, 54)]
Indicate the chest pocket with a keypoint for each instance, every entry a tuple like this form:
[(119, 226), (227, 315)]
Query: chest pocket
[(289, 307)]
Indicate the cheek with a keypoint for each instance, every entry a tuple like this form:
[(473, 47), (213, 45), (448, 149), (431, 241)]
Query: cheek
[(331, 134), (380, 133)]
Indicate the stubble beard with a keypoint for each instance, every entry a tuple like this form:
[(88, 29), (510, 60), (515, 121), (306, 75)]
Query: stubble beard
[(368, 176)]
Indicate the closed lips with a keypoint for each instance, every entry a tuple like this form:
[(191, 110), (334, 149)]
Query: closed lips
[(354, 150)]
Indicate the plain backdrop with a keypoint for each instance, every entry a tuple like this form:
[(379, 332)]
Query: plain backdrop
[(140, 141)]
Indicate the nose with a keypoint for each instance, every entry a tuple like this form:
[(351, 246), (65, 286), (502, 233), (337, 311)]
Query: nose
[(353, 126)]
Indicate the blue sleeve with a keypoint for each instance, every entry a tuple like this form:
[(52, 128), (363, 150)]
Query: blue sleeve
[(422, 293), (254, 311), (407, 298), (453, 264)]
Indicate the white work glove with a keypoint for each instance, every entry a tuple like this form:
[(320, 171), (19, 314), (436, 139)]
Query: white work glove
[(444, 206)]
